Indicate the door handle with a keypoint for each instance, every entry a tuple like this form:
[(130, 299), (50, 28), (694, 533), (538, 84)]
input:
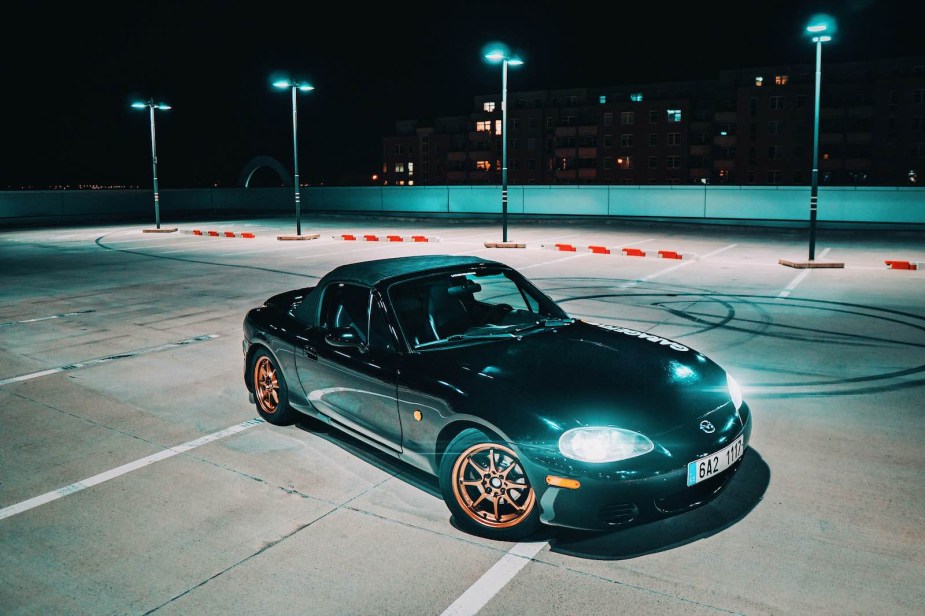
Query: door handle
[(310, 352)]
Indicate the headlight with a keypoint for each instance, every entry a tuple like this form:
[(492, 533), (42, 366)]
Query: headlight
[(603, 444), (735, 392)]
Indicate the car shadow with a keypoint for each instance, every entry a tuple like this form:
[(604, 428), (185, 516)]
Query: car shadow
[(730, 506)]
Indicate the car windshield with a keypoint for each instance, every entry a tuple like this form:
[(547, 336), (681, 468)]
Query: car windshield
[(478, 305)]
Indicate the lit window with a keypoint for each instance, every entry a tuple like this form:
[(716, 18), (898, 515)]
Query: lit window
[(488, 106), (636, 97), (399, 167), (781, 80), (602, 99), (483, 165), (410, 168), (497, 127), (674, 115), (484, 125), (759, 81), (625, 162)]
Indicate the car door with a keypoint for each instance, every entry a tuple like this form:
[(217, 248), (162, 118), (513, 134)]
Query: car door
[(348, 364)]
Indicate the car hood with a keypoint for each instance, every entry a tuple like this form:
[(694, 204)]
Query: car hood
[(578, 375)]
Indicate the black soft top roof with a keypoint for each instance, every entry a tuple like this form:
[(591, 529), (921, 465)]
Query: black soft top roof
[(370, 273)]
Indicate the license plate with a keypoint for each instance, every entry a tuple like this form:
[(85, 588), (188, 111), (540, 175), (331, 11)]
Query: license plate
[(715, 463)]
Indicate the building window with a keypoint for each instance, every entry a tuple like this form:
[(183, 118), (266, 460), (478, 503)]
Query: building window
[(531, 144), (626, 140), (753, 106), (483, 165), (775, 127), (602, 99), (775, 103), (774, 176), (800, 101), (636, 97), (627, 118), (488, 106), (653, 162), (759, 81), (673, 116), (608, 162), (482, 126), (497, 127), (608, 119), (674, 139), (568, 120), (781, 80), (625, 162), (608, 141), (917, 149), (399, 167), (531, 122), (750, 177), (549, 122), (774, 152), (918, 96), (653, 139), (653, 116), (673, 162), (515, 123), (531, 164)]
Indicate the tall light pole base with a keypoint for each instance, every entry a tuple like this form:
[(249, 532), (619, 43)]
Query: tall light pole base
[(811, 264), (504, 245), (311, 236)]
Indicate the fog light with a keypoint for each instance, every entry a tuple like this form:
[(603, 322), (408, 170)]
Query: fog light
[(562, 482)]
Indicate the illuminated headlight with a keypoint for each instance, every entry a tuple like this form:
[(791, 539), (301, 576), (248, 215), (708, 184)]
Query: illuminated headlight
[(603, 444), (735, 392)]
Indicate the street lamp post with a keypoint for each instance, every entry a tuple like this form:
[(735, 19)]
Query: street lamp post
[(151, 105), (502, 56), (304, 87), (816, 29), (704, 181)]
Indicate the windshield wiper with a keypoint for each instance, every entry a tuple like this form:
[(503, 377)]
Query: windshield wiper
[(473, 336), (550, 322)]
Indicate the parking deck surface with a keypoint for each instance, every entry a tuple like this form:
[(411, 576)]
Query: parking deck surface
[(136, 479)]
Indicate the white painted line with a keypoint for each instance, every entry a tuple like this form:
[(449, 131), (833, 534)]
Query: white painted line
[(103, 360), (685, 264), (54, 316), (125, 468), (798, 279), (487, 586)]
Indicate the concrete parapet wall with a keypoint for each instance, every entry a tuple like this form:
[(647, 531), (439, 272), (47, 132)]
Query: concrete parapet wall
[(879, 205)]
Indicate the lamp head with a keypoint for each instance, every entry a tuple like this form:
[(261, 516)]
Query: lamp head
[(821, 28)]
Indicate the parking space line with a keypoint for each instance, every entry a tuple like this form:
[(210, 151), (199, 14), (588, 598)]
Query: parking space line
[(125, 468), (103, 360), (54, 316), (493, 580)]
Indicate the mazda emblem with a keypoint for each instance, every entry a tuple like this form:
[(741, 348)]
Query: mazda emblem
[(707, 427)]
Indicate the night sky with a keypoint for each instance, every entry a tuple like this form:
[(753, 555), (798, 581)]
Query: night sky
[(71, 71)]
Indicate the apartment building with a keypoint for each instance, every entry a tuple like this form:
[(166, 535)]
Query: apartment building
[(748, 126)]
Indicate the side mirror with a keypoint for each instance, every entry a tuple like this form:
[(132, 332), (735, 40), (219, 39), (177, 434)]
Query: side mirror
[(346, 337)]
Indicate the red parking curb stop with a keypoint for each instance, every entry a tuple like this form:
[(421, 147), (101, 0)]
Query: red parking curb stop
[(668, 254), (601, 250), (229, 233), (566, 247), (371, 238), (248, 235), (213, 233), (394, 238), (901, 265), (348, 236), (634, 252), (197, 232)]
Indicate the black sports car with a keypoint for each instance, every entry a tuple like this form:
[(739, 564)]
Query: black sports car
[(463, 368)]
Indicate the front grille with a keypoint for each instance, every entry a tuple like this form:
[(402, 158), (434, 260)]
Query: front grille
[(691, 497), (618, 513)]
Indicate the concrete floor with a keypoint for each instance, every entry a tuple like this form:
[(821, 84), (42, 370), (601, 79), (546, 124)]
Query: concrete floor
[(133, 479)]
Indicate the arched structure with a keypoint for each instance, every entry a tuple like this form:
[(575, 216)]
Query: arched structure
[(263, 161)]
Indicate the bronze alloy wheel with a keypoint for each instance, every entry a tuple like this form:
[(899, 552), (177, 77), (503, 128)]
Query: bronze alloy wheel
[(266, 385), (490, 486)]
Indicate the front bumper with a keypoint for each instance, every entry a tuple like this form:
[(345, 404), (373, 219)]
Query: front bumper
[(604, 501)]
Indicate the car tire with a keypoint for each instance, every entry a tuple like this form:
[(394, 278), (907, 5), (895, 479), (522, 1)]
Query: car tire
[(270, 393), (486, 488)]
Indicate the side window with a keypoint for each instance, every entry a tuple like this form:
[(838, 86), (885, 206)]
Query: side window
[(346, 305)]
